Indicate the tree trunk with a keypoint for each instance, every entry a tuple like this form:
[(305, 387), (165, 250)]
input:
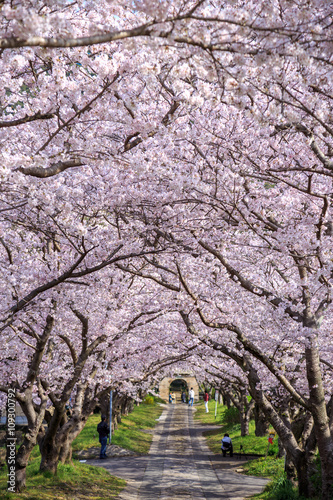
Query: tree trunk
[(320, 417), (65, 430), (22, 458), (118, 415), (104, 403), (226, 400), (34, 413), (282, 451), (261, 423), (70, 431), (330, 413), (310, 450), (244, 422), (50, 455), (65, 455), (51, 444), (297, 455), (127, 404), (290, 468), (35, 417), (302, 468), (299, 468), (21, 475)]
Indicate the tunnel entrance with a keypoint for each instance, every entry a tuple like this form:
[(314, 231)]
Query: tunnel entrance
[(177, 387), (177, 383)]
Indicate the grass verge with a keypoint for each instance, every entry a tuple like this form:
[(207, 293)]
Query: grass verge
[(250, 443), (270, 466), (279, 488), (79, 481), (130, 433)]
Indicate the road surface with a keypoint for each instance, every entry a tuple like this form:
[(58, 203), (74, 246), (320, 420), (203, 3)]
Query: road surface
[(180, 466)]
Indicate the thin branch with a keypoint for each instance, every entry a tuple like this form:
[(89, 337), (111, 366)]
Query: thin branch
[(27, 343), (170, 286), (248, 285), (326, 363), (84, 332), (79, 112), (70, 347), (7, 250)]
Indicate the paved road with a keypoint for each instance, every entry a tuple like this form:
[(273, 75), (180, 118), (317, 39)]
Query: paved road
[(180, 466)]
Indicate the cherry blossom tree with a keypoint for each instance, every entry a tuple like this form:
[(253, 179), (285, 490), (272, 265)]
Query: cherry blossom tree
[(189, 145)]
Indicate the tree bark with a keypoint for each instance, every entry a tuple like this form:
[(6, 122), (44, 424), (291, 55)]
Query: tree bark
[(320, 417), (226, 400), (60, 425), (50, 445), (34, 413), (50, 451), (104, 403), (65, 454), (244, 423), (281, 451), (290, 468), (29, 442), (261, 423), (298, 456)]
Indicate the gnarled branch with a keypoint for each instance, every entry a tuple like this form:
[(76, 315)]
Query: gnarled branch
[(54, 169)]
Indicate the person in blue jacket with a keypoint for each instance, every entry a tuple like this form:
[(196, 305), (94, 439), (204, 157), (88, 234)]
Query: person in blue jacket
[(103, 431), (227, 445)]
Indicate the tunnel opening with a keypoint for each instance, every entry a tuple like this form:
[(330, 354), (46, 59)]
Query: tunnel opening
[(177, 388)]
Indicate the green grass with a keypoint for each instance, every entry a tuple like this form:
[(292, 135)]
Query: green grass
[(273, 488), (250, 443), (129, 434), (79, 481), (270, 466)]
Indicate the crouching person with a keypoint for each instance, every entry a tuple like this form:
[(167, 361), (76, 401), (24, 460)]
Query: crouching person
[(227, 445)]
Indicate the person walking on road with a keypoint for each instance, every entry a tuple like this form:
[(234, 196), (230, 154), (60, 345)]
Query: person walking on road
[(191, 397), (227, 445), (103, 432), (206, 398)]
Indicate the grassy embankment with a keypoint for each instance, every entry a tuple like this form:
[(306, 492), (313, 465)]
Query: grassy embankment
[(129, 435), (270, 466), (79, 480)]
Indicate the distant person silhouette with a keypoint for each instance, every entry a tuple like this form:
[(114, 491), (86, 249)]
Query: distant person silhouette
[(206, 398), (191, 396)]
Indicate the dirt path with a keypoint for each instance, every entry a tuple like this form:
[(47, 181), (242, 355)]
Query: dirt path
[(180, 466)]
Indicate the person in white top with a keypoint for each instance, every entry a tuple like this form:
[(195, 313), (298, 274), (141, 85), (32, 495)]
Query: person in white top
[(191, 396)]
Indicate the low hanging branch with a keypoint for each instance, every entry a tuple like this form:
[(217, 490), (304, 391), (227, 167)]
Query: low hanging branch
[(143, 30), (26, 119), (54, 169), (39, 41)]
